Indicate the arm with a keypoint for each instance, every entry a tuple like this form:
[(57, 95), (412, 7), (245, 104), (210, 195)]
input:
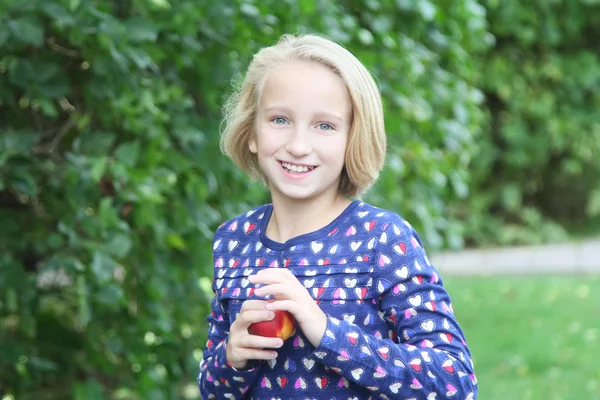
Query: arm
[(432, 356), (217, 378)]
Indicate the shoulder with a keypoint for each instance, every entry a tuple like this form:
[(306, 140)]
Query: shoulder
[(398, 244), (242, 224), (390, 227), (381, 220)]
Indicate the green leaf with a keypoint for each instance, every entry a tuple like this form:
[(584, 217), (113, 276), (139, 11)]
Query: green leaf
[(56, 87), (21, 72), (161, 4), (119, 245), (89, 390), (593, 204), (94, 142), (307, 6), (55, 240), (4, 34), (74, 4), (150, 192), (24, 182), (119, 58), (84, 310), (98, 168), (107, 213), (47, 107), (27, 30), (110, 295), (140, 58), (459, 186), (42, 364), (11, 300), (45, 70), (18, 142), (141, 30), (102, 267), (128, 153), (176, 241), (58, 13)]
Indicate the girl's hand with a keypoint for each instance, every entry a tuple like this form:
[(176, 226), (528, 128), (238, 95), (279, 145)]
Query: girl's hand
[(242, 346), (292, 296)]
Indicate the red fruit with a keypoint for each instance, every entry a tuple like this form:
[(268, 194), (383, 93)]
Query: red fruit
[(282, 326)]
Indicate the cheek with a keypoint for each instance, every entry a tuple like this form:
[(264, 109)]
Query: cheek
[(335, 150), (269, 141)]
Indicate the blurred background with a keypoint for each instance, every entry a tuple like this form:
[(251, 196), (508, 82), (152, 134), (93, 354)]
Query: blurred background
[(111, 180)]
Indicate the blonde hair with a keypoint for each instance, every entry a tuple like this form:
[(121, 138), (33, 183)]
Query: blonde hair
[(366, 148)]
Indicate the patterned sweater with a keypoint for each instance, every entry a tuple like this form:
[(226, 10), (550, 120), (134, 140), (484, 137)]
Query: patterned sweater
[(391, 332)]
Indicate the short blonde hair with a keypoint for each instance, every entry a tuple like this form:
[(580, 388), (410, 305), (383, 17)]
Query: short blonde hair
[(366, 148)]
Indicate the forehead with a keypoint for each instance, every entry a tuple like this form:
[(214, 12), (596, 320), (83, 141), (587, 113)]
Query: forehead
[(305, 85)]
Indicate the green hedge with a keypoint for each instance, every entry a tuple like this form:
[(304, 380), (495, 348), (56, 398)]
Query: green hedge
[(111, 182), (537, 176)]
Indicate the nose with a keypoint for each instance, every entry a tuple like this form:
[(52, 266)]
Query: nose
[(299, 142)]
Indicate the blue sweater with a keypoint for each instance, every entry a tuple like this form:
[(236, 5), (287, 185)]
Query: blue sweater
[(391, 332)]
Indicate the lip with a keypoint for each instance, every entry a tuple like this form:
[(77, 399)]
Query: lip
[(296, 175), (299, 165)]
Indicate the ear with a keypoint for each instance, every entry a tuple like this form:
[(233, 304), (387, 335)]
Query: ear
[(253, 146)]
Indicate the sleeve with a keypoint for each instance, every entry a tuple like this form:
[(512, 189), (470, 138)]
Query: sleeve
[(217, 378), (430, 358)]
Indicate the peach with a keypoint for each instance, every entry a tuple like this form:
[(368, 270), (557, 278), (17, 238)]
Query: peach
[(282, 326)]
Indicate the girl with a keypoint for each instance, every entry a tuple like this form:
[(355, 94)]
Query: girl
[(373, 319)]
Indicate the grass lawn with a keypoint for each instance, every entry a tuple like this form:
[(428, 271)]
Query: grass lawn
[(532, 337)]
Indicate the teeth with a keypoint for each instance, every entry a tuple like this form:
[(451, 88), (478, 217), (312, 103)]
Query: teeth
[(296, 168)]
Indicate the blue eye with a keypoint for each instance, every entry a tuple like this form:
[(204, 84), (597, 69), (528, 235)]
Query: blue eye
[(325, 127), (279, 120)]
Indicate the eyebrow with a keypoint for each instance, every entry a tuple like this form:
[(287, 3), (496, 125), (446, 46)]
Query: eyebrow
[(323, 114)]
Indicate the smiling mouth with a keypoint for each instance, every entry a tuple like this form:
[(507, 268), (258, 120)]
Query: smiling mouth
[(296, 168)]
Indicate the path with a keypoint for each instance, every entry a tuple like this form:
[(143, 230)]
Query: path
[(576, 257)]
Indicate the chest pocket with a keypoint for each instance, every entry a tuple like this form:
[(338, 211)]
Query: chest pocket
[(346, 292), (333, 285), (339, 283)]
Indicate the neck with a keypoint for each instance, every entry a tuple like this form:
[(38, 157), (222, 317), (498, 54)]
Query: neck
[(294, 218)]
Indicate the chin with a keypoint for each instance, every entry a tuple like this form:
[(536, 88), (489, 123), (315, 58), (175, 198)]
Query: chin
[(299, 196), (295, 193)]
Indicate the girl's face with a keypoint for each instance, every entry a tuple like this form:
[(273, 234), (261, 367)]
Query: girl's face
[(303, 122)]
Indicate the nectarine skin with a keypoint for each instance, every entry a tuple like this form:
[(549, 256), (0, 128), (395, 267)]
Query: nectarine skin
[(282, 326)]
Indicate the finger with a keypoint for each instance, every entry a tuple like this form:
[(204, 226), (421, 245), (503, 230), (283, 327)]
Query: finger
[(256, 354), (298, 309), (271, 275), (261, 342), (277, 290), (251, 316), (253, 305), (284, 305)]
